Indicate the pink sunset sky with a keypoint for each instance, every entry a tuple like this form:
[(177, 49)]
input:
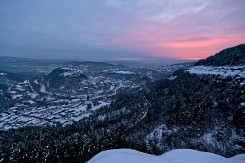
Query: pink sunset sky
[(120, 29)]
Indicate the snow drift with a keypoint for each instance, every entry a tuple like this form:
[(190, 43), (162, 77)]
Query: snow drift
[(174, 156)]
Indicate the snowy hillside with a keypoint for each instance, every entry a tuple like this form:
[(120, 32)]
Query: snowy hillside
[(224, 71), (174, 156), (70, 72), (230, 56)]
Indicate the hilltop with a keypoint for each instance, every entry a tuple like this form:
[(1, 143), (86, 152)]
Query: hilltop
[(230, 56)]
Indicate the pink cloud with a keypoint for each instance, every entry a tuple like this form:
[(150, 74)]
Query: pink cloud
[(191, 35)]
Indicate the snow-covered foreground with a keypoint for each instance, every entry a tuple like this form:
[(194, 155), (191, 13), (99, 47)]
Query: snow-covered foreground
[(174, 156)]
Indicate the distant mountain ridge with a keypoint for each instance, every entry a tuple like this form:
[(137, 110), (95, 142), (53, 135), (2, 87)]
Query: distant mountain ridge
[(230, 56), (90, 63)]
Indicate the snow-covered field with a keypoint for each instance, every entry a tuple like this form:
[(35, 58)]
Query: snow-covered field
[(174, 156)]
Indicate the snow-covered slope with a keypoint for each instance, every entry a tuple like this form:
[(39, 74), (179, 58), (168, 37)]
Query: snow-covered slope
[(174, 156), (224, 71)]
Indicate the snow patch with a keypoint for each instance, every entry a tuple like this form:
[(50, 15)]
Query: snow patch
[(242, 104), (172, 77), (224, 71), (124, 72), (25, 82), (208, 138), (70, 72), (16, 96), (43, 89), (3, 74), (100, 105)]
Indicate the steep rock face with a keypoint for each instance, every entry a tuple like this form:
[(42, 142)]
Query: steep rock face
[(229, 56)]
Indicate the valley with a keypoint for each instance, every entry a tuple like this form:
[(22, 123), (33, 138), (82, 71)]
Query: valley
[(72, 111), (71, 92)]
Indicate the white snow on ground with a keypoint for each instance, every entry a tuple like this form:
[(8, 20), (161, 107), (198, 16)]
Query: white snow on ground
[(124, 72), (16, 96), (18, 86), (242, 104), (100, 105), (70, 72), (43, 89), (174, 156), (34, 94), (172, 77), (208, 138), (112, 87), (3, 74), (15, 118), (25, 82), (224, 71), (31, 102), (35, 81), (67, 68)]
